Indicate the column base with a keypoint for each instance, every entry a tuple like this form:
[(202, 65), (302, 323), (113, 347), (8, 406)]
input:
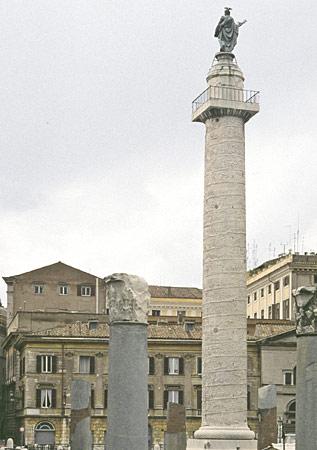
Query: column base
[(226, 434), (221, 444)]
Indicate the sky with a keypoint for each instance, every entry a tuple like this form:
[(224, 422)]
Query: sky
[(101, 166)]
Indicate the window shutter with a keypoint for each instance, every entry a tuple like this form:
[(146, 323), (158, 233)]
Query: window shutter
[(38, 364), (92, 399), (165, 399), (151, 365), (165, 366), (54, 364), (199, 392), (93, 291), (181, 397), (79, 289), (181, 366), (151, 399), (53, 398), (106, 399), (38, 398), (92, 365)]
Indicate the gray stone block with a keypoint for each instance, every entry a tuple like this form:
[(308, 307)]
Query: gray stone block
[(267, 397), (81, 437)]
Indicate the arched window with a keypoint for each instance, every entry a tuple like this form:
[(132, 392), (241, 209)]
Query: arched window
[(44, 426), (290, 417), (44, 434)]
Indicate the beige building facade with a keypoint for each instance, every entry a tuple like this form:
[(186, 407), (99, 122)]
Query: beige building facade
[(42, 364), (270, 285), (58, 332)]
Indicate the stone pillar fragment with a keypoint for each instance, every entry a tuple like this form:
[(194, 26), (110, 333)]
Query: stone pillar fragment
[(267, 412), (128, 300), (306, 369), (175, 436), (81, 437)]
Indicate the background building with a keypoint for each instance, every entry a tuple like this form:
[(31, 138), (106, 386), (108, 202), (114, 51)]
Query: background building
[(270, 285), (42, 364), (58, 332)]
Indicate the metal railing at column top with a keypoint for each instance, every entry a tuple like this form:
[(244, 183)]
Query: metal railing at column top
[(225, 93)]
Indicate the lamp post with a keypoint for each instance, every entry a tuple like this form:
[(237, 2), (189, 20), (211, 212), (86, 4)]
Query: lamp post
[(281, 432)]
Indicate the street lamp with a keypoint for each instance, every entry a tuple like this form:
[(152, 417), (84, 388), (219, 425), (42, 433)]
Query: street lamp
[(281, 431)]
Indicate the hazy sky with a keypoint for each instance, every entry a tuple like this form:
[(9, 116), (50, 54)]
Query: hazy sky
[(101, 165)]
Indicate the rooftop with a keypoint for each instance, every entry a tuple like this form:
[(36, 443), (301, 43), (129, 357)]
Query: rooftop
[(257, 329)]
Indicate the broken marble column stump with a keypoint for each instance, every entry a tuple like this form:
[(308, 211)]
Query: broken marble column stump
[(128, 299), (175, 436), (81, 437), (306, 368)]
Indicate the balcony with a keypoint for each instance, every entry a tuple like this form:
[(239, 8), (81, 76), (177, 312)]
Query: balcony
[(223, 100)]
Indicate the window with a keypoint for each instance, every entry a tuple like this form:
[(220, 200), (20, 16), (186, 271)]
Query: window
[(315, 279), (286, 309), (276, 311), (199, 399), (255, 316), (46, 398), (156, 312), (22, 367), (38, 289), (105, 399), (151, 365), (92, 399), (255, 296), (46, 364), (189, 326), (93, 325), (63, 289), (270, 312), (288, 377), (286, 281), (262, 313), (85, 291), (248, 299), (269, 289), (248, 398), (199, 365), (262, 292), (173, 396), (150, 398), (86, 364), (173, 366), (276, 286)]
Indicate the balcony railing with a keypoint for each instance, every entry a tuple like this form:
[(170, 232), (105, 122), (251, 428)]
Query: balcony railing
[(225, 93)]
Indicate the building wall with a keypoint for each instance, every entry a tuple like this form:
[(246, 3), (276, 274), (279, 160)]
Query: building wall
[(68, 351), (22, 297), (275, 360), (288, 272)]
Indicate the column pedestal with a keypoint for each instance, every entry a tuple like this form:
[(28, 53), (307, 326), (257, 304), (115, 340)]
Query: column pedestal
[(221, 444)]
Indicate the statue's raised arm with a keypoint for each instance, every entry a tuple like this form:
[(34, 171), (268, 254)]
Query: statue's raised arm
[(227, 31)]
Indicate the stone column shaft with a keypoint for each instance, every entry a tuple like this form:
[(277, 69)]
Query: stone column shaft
[(128, 299), (224, 110), (224, 349)]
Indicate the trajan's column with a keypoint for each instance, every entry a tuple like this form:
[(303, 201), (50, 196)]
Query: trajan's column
[(224, 107)]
